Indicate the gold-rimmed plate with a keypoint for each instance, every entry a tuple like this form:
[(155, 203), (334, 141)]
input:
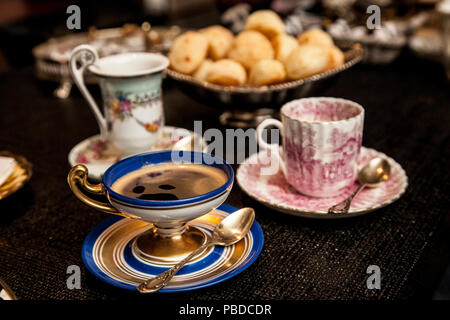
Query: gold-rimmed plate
[(107, 253), (21, 174)]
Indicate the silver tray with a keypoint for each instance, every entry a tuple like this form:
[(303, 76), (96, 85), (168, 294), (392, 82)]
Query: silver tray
[(249, 97)]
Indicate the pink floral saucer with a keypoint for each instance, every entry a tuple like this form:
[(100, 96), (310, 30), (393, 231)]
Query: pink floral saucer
[(98, 155), (274, 192)]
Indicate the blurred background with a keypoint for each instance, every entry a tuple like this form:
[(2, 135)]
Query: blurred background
[(410, 24)]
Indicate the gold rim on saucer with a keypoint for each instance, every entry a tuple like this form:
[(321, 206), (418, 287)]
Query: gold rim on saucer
[(21, 174), (107, 253)]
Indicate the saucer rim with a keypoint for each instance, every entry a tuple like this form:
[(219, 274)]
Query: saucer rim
[(323, 215), (90, 264), (75, 150), (21, 162)]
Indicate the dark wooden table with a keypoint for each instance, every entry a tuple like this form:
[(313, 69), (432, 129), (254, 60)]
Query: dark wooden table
[(407, 104)]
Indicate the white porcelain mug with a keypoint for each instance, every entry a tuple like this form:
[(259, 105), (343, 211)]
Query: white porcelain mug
[(321, 143), (131, 91)]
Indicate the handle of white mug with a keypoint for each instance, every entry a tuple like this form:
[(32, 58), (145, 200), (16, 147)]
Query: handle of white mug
[(83, 56), (275, 149)]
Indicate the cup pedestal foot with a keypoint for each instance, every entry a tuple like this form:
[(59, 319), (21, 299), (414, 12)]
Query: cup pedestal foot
[(156, 247)]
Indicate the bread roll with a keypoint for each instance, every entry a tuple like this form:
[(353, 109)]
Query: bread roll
[(249, 47), (283, 44), (317, 37), (188, 52), (337, 58), (202, 72), (219, 41), (227, 72), (306, 60), (265, 21), (266, 72)]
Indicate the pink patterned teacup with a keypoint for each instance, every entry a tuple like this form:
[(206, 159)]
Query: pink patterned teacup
[(321, 144)]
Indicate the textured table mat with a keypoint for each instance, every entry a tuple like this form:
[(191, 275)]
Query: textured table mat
[(42, 227)]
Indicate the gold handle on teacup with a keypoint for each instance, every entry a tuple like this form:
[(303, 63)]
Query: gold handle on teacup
[(78, 175)]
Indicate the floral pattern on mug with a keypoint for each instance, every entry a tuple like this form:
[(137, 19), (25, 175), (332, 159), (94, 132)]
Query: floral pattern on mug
[(152, 126), (123, 104)]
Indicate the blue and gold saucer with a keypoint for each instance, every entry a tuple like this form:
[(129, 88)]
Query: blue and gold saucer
[(108, 253)]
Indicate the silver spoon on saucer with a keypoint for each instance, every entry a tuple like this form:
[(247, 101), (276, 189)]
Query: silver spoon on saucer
[(371, 175), (229, 231)]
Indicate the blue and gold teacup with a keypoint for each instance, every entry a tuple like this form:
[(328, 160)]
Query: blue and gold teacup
[(170, 239), (131, 90)]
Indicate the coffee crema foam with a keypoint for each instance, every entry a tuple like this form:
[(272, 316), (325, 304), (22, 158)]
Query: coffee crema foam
[(170, 182)]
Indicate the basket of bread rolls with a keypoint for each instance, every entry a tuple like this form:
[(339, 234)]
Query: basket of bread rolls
[(261, 67)]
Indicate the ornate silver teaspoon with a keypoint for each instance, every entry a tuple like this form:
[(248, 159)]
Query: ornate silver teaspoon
[(372, 174), (229, 231)]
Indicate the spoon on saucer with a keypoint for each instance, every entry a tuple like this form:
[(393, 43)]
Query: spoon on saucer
[(371, 175), (229, 231)]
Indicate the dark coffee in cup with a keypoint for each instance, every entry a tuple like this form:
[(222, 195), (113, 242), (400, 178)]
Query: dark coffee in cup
[(170, 182)]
